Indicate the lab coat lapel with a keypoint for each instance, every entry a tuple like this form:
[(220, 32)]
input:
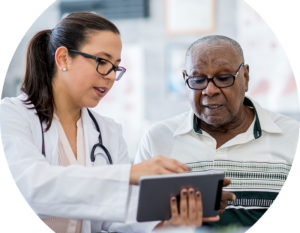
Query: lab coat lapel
[(50, 136), (90, 135), (51, 143)]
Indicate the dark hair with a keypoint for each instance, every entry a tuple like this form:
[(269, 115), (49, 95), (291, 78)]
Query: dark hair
[(216, 39), (72, 32)]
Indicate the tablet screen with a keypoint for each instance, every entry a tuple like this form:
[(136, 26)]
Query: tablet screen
[(155, 193)]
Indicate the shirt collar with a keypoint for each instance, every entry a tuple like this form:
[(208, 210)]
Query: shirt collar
[(263, 122), (187, 124), (257, 127)]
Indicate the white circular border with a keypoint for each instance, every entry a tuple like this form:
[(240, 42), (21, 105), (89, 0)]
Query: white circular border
[(283, 18), (16, 18)]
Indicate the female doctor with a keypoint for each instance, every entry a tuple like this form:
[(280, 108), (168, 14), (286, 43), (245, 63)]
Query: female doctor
[(70, 163)]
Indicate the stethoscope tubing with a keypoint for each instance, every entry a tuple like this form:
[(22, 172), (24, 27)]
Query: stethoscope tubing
[(99, 144)]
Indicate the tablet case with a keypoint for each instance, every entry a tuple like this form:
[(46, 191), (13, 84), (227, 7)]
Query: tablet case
[(155, 193)]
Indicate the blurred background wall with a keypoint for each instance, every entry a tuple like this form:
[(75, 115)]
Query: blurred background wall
[(155, 35)]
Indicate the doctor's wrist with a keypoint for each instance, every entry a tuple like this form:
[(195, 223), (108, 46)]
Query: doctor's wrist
[(133, 179), (157, 165)]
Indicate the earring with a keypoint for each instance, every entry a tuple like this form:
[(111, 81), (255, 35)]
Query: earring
[(64, 69)]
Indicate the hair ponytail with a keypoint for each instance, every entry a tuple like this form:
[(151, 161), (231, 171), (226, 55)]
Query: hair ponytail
[(38, 76), (72, 32)]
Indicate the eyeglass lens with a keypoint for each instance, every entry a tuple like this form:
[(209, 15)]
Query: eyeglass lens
[(220, 81), (105, 67), (225, 80)]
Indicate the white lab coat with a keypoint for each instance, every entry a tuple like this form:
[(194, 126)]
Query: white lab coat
[(100, 192)]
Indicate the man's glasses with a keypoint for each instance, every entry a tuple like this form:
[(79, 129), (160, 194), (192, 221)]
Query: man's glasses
[(219, 80), (104, 67)]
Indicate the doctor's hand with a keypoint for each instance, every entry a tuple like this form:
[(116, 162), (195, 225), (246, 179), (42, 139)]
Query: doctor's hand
[(189, 212), (157, 165)]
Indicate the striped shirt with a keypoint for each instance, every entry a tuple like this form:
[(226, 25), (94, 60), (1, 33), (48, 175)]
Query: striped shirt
[(257, 161)]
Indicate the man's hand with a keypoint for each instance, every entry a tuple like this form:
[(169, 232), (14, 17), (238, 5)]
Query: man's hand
[(190, 212), (226, 196)]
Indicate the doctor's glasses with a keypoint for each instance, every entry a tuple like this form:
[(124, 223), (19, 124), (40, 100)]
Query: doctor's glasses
[(104, 67)]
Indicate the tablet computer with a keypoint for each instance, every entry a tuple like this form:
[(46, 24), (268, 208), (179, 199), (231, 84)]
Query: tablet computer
[(155, 193)]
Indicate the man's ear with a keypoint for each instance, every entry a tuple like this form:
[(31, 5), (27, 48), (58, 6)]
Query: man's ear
[(246, 77), (62, 58)]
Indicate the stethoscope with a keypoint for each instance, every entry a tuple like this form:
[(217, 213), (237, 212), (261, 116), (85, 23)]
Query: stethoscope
[(99, 144)]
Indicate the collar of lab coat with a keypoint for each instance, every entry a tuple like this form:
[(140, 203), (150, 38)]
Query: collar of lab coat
[(51, 136), (90, 137), (90, 134)]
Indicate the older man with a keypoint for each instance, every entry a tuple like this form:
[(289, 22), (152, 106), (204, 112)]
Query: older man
[(227, 131)]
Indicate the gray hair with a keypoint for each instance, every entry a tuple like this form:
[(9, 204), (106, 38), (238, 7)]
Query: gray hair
[(216, 39)]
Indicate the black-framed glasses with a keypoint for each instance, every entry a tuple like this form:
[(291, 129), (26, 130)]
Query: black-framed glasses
[(104, 67), (219, 80)]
